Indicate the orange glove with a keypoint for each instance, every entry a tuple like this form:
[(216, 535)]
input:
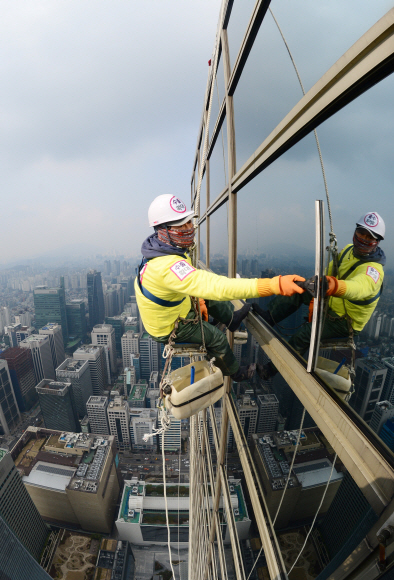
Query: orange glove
[(332, 285), (287, 286), (203, 309)]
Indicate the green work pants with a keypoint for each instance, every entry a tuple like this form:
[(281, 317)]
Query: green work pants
[(283, 306), (215, 340)]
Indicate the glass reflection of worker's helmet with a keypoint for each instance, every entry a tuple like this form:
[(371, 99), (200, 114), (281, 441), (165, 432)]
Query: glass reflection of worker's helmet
[(168, 209), (374, 223)]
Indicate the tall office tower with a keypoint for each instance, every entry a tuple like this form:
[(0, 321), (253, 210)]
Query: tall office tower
[(119, 421), (133, 306), (95, 355), (20, 365), (2, 323), (130, 345), (391, 328), (107, 267), (382, 413), (268, 413), (76, 319), (24, 318), (42, 357), (77, 372), (71, 478), (118, 324), (348, 519), (110, 302), (388, 387), (16, 563), (54, 333), (6, 315), (131, 323), (127, 285), (18, 510), (143, 421), (97, 413), (58, 406), (369, 381), (116, 268), (50, 306), (95, 298), (129, 380), (370, 327), (248, 413), (9, 411), (151, 398), (172, 437), (154, 380), (104, 335), (387, 434), (150, 356), (12, 333), (135, 362)]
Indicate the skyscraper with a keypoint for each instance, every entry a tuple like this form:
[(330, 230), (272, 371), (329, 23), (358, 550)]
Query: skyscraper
[(143, 421), (20, 366), (104, 335), (77, 372), (95, 298), (248, 413), (40, 348), (382, 413), (150, 356), (268, 413), (54, 332), (16, 563), (118, 324), (95, 355), (97, 413), (388, 387), (9, 411), (119, 420), (130, 345), (76, 319), (369, 381), (58, 406), (18, 510), (50, 306)]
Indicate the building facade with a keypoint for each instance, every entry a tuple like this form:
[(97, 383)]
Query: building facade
[(130, 345), (142, 422), (104, 335), (54, 333), (76, 319), (95, 355), (369, 381), (21, 369), (58, 405), (50, 306), (40, 348), (150, 356), (9, 411), (77, 372), (95, 298), (119, 421), (97, 413), (268, 413)]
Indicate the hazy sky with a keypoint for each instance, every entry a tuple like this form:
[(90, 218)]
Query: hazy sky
[(101, 102)]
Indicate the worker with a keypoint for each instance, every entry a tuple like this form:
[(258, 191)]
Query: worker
[(353, 294), (167, 280)]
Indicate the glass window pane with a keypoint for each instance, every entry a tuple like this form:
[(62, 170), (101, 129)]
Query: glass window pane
[(240, 15), (219, 84), (219, 240), (203, 195), (218, 164), (203, 241)]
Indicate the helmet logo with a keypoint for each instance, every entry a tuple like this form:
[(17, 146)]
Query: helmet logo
[(371, 220), (177, 205)]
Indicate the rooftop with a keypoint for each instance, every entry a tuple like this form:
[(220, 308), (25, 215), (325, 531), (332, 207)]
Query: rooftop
[(72, 365), (48, 384), (2, 453), (50, 326), (34, 338), (138, 392), (102, 328), (87, 348)]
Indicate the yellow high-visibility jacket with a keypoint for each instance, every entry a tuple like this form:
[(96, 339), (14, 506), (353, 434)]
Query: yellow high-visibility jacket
[(172, 278), (363, 288)]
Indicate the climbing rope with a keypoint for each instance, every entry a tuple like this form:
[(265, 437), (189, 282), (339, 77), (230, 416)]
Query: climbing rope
[(166, 504)]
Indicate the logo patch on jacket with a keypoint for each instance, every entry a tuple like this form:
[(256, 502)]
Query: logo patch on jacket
[(373, 273), (182, 269)]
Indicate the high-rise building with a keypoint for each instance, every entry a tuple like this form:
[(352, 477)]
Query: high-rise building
[(95, 355), (76, 319), (71, 477), (382, 413), (172, 437), (40, 348), (104, 335), (115, 560), (127, 284), (143, 421), (16, 563), (9, 411), (18, 510), (388, 387), (58, 406), (118, 324), (20, 366), (130, 345), (77, 372), (135, 362), (248, 413), (119, 421), (387, 433), (50, 306), (150, 355), (107, 267), (268, 413), (116, 268), (131, 323), (97, 413), (95, 298), (369, 381), (137, 397), (54, 332)]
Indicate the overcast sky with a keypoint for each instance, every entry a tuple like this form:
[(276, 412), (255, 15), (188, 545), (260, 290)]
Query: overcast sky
[(100, 104)]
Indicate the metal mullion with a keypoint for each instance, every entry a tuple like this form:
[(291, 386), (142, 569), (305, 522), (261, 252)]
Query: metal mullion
[(272, 552), (201, 514), (208, 220), (367, 62), (253, 27), (217, 127), (218, 202)]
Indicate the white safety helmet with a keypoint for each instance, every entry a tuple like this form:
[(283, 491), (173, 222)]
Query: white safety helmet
[(374, 223), (168, 209)]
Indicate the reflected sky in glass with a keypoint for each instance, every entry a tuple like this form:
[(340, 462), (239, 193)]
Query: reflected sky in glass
[(218, 166), (219, 240)]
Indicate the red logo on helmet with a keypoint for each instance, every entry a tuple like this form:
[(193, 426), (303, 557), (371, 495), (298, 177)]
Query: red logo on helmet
[(371, 220), (177, 205)]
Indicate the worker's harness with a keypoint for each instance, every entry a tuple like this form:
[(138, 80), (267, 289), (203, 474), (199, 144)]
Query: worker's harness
[(149, 295)]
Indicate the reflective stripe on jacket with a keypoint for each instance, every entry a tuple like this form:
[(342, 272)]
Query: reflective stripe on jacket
[(363, 287), (172, 278)]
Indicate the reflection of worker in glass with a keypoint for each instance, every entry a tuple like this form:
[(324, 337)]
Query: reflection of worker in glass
[(354, 293), (167, 281)]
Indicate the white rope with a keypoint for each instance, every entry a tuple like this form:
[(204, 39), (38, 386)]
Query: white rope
[(165, 421), (166, 505), (317, 512)]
